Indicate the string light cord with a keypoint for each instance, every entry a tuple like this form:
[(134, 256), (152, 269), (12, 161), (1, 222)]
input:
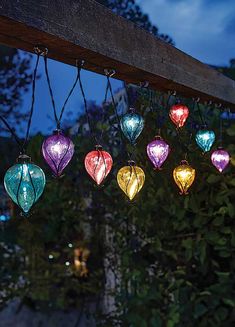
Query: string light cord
[(59, 118), (196, 101), (86, 108), (11, 131), (220, 129), (23, 145), (131, 155)]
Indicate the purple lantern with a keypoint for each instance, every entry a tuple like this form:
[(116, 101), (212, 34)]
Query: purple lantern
[(57, 150), (220, 159), (158, 151)]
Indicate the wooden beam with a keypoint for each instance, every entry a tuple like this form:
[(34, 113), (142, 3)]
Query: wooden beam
[(78, 29)]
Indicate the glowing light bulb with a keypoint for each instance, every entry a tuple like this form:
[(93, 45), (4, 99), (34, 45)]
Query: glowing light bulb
[(158, 151), (184, 176), (132, 125), (205, 139), (24, 182), (57, 151), (220, 159), (179, 114), (98, 164), (131, 179)]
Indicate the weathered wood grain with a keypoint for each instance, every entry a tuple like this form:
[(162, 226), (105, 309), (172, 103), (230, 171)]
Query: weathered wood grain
[(83, 29)]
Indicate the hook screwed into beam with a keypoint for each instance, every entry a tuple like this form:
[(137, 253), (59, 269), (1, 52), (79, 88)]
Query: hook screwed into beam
[(144, 84), (109, 72), (40, 50)]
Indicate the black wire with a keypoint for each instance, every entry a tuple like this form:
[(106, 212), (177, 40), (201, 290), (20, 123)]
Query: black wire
[(114, 106), (103, 113), (50, 90), (86, 107), (200, 114), (69, 94), (221, 132), (58, 120), (25, 143), (11, 131)]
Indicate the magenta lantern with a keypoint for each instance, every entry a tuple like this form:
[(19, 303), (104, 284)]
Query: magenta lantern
[(220, 159), (57, 151), (158, 151)]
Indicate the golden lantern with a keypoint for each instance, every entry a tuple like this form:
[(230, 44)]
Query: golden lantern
[(131, 179), (184, 176)]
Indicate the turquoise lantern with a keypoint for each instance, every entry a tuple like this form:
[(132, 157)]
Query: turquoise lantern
[(24, 182), (132, 125), (205, 139)]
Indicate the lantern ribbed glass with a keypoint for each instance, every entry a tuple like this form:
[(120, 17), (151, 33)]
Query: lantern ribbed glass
[(24, 182)]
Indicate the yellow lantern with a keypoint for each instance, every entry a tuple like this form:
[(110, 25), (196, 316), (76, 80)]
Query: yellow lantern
[(184, 176), (131, 179)]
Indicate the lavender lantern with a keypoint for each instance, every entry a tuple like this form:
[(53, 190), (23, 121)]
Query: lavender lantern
[(220, 159), (158, 151), (57, 151)]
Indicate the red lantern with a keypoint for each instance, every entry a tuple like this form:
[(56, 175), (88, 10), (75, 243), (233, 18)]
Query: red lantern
[(178, 114), (98, 164)]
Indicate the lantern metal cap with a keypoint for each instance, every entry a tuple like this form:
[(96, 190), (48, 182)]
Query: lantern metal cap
[(98, 147), (158, 137), (23, 158), (184, 162), (132, 110), (131, 163), (57, 131)]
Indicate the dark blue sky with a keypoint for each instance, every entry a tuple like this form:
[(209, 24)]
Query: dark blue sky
[(204, 29)]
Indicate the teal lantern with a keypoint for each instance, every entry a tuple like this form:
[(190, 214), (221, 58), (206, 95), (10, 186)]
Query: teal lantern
[(132, 125), (24, 182), (205, 139)]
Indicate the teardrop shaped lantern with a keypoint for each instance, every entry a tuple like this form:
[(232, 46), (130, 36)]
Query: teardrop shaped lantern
[(24, 182), (98, 164), (220, 159), (205, 139), (132, 125), (158, 151), (184, 176), (131, 179), (179, 114), (57, 151)]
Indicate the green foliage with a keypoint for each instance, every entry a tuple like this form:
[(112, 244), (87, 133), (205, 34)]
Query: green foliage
[(173, 255)]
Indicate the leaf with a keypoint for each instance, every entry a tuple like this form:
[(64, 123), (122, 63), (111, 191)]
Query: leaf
[(202, 251), (199, 310), (229, 302), (212, 179), (218, 221)]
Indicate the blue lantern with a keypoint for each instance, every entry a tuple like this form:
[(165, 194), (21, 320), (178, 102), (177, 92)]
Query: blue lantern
[(205, 139), (132, 125), (24, 182)]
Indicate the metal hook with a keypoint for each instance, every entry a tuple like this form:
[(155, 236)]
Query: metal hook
[(41, 50), (80, 63), (144, 84), (109, 72)]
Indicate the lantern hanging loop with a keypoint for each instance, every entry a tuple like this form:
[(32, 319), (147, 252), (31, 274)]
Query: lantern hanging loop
[(23, 145), (59, 118), (86, 107)]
